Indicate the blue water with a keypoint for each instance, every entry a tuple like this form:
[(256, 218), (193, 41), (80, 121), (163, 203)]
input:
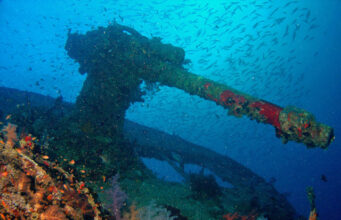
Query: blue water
[(286, 52)]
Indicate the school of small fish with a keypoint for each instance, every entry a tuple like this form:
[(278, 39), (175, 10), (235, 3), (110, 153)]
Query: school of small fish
[(253, 46), (250, 45)]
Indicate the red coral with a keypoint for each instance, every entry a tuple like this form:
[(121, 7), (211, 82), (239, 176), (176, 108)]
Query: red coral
[(229, 98), (233, 101), (236, 216), (229, 216), (269, 111)]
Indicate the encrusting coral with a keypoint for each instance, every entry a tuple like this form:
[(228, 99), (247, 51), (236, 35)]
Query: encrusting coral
[(33, 188)]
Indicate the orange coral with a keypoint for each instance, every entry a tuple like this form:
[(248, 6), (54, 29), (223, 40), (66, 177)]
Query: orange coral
[(11, 134), (53, 213), (313, 215)]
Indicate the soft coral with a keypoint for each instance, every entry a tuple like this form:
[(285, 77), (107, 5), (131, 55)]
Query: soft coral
[(11, 134)]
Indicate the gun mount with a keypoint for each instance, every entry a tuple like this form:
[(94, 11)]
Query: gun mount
[(118, 57)]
